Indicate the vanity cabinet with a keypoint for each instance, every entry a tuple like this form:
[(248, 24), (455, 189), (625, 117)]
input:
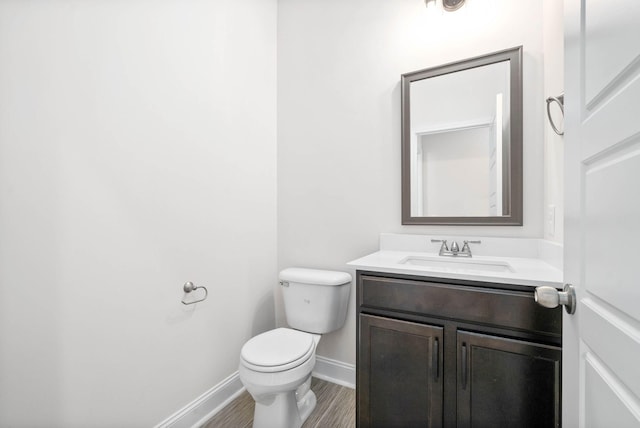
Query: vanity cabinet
[(452, 353)]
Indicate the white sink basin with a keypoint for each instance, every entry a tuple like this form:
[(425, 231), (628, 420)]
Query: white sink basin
[(457, 265)]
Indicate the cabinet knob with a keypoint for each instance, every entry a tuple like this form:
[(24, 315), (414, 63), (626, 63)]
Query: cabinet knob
[(549, 297)]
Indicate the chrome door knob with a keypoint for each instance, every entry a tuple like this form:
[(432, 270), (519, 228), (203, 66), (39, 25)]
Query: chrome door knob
[(549, 297)]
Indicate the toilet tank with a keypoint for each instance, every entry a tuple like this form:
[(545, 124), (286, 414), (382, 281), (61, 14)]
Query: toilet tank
[(315, 300)]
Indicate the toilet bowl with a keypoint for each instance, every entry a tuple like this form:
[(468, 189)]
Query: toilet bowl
[(275, 366)]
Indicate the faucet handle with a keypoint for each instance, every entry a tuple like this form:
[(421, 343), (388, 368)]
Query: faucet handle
[(444, 244), (465, 246)]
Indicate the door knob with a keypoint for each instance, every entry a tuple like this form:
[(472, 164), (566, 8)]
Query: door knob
[(549, 297)]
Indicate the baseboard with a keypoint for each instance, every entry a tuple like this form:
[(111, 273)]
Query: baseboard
[(335, 372), (205, 406)]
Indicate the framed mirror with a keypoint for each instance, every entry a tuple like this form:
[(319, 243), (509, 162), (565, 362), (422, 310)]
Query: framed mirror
[(462, 142)]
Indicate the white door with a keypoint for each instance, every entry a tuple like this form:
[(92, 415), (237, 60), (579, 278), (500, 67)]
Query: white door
[(601, 354)]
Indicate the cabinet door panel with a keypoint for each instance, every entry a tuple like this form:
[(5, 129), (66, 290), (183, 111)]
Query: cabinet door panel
[(399, 374), (505, 382)]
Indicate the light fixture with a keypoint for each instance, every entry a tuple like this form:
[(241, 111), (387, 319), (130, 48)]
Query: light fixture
[(448, 5), (451, 5)]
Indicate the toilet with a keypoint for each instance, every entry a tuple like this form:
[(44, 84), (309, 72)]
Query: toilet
[(276, 366)]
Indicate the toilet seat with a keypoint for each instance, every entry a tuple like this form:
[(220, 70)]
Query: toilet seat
[(277, 350)]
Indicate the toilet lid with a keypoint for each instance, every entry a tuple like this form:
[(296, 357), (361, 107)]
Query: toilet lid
[(278, 350)]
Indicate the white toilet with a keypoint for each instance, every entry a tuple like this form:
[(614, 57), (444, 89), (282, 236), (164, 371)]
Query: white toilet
[(276, 366)]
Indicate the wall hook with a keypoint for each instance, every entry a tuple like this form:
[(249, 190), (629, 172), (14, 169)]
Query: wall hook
[(560, 100), (188, 287)]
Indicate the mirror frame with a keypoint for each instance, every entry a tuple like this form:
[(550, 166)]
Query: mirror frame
[(514, 180)]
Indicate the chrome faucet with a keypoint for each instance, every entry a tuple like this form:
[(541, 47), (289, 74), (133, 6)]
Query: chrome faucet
[(455, 249)]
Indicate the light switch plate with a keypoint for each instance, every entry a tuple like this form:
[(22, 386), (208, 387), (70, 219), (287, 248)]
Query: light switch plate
[(551, 220)]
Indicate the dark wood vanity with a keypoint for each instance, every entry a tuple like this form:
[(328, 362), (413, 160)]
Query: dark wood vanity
[(438, 352)]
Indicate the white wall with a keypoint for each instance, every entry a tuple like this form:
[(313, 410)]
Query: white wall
[(137, 151), (339, 67), (554, 144)]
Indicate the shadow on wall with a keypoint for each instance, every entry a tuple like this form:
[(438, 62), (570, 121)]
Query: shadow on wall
[(264, 315)]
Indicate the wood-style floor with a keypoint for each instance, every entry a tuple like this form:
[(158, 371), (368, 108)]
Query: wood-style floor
[(336, 408)]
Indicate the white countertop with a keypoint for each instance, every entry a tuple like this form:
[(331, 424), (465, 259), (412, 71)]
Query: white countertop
[(526, 271)]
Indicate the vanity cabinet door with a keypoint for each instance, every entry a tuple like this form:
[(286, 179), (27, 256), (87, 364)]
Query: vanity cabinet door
[(507, 383), (399, 373)]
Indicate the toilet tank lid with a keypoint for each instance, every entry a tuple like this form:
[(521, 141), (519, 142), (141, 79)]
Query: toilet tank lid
[(314, 276)]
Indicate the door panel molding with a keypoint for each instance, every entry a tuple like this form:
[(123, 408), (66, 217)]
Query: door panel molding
[(604, 32), (607, 401), (611, 227), (612, 339)]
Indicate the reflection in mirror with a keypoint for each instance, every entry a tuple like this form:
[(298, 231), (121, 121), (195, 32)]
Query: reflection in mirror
[(462, 131), (457, 128)]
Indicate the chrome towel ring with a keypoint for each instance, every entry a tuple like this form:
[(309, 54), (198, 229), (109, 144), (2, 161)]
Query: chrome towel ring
[(188, 287), (560, 100)]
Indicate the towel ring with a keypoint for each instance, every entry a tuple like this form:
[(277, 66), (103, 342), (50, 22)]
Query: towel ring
[(560, 100), (188, 287)]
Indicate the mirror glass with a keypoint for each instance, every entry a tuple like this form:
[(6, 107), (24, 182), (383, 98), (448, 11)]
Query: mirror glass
[(462, 142)]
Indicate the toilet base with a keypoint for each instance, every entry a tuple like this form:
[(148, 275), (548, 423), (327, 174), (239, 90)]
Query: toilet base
[(306, 405), (283, 411)]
